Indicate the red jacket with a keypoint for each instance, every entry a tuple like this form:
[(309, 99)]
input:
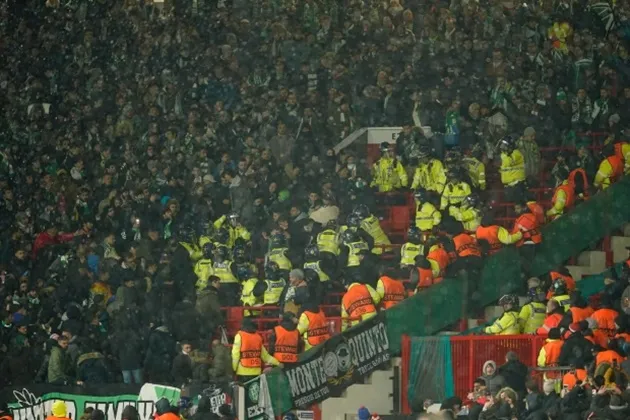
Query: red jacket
[(44, 239)]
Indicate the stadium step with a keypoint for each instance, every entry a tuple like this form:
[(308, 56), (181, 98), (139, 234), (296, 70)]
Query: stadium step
[(369, 394), (589, 262)]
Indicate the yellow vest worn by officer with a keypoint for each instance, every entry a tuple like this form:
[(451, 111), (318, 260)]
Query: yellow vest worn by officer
[(454, 193), (193, 250), (203, 270), (373, 227), (409, 252), (273, 292), (427, 216), (235, 232), (512, 168), (223, 270), (476, 172), (429, 176), (314, 265), (278, 255), (470, 217), (353, 252), (248, 298), (532, 317), (388, 174), (507, 324), (328, 241), (564, 301)]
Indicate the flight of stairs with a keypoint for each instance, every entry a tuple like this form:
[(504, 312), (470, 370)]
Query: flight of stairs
[(588, 263), (375, 394)]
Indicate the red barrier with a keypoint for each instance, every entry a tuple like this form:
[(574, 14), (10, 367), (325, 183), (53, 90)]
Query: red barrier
[(469, 353)]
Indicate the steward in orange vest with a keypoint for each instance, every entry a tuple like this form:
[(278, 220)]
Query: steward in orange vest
[(313, 326), (528, 225), (439, 260), (422, 276), (284, 339), (358, 304), (570, 380), (391, 291), (578, 310), (464, 252), (550, 353), (537, 210), (555, 312), (610, 355), (249, 353), (605, 317), (492, 238)]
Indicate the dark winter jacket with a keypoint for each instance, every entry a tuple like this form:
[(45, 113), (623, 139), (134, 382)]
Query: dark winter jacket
[(514, 373), (576, 351), (160, 352), (92, 368), (129, 347)]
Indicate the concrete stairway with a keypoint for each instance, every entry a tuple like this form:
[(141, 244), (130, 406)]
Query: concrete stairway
[(375, 394), (588, 262)]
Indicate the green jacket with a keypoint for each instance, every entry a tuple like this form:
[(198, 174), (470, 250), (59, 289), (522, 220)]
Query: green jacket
[(57, 365), (221, 366)]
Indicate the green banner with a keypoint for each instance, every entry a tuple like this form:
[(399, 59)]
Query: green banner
[(34, 402)]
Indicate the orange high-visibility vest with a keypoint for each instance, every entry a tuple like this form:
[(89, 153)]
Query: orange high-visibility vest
[(580, 314), (286, 349), (394, 292), (425, 278), (251, 349), (490, 234), (527, 224), (605, 319), (358, 301), (570, 379), (318, 330), (466, 246)]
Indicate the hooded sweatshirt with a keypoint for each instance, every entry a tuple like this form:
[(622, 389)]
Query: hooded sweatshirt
[(495, 381)]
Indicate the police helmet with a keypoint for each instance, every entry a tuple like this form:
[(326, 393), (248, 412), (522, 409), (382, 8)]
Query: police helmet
[(243, 272), (536, 294), (278, 241), (207, 250), (272, 270), (507, 143), (349, 236), (332, 224), (311, 276), (453, 157), (559, 287), (414, 235), (233, 217), (384, 147), (239, 254), (222, 252), (222, 236), (311, 251), (510, 299), (362, 211), (186, 233), (353, 220), (472, 200)]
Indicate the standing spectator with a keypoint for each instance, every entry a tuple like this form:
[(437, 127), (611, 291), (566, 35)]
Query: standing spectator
[(531, 155)]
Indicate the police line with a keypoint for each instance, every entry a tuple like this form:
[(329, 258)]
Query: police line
[(34, 402), (327, 370)]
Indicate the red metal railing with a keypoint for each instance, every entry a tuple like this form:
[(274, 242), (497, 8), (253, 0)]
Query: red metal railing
[(469, 353)]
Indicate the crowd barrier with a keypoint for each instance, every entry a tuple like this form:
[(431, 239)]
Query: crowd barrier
[(459, 360)]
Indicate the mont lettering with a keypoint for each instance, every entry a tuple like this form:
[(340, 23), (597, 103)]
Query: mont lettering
[(340, 362)]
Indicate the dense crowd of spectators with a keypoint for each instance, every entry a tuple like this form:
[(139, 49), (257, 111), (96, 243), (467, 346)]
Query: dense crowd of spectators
[(124, 122)]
